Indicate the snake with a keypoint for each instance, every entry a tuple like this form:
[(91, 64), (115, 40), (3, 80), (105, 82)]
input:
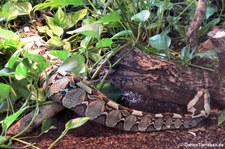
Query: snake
[(79, 95)]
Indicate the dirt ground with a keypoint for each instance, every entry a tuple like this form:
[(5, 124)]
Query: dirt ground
[(93, 136)]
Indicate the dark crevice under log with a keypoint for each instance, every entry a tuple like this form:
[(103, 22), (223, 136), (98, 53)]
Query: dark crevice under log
[(161, 80)]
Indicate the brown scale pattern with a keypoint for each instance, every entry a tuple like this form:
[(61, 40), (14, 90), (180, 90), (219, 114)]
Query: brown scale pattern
[(63, 88)]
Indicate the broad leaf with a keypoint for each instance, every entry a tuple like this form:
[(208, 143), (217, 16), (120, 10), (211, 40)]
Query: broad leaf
[(111, 17), (5, 90), (141, 16), (60, 19), (63, 55), (94, 56), (204, 29), (77, 16), (4, 140), (210, 10), (7, 34), (43, 29), (13, 59), (122, 33), (49, 124), (92, 30), (55, 41), (21, 71), (5, 72), (40, 60), (105, 42), (211, 54), (58, 3), (74, 123), (9, 11), (24, 8), (85, 42), (75, 63), (77, 122), (160, 41), (57, 30)]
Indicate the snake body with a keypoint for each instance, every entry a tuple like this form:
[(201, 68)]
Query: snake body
[(84, 99), (77, 94)]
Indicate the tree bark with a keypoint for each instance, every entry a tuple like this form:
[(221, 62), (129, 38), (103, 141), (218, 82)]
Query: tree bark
[(45, 112), (161, 80), (192, 39)]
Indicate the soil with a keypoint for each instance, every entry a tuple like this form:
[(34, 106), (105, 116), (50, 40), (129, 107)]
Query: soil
[(91, 135)]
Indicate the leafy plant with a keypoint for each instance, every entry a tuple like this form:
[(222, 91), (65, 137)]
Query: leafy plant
[(71, 124), (11, 10)]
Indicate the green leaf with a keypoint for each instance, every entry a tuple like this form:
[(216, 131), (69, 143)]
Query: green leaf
[(210, 10), (43, 29), (49, 124), (10, 119), (13, 58), (21, 71), (74, 123), (40, 60), (141, 16), (91, 34), (4, 140), (221, 118), (111, 17), (5, 90), (122, 33), (67, 45), (63, 55), (92, 30), (75, 63), (55, 41), (58, 3), (21, 89), (105, 42), (94, 56), (211, 54), (154, 25), (205, 29), (60, 19), (77, 122), (85, 42), (160, 41), (7, 34), (186, 55), (9, 11), (5, 72), (57, 30), (77, 16), (164, 5), (24, 8)]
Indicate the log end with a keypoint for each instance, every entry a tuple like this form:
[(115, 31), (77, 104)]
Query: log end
[(217, 33)]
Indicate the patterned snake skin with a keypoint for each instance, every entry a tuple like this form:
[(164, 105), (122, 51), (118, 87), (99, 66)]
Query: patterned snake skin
[(84, 99)]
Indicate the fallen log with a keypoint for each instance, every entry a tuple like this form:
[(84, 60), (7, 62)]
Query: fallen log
[(45, 112), (166, 81)]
